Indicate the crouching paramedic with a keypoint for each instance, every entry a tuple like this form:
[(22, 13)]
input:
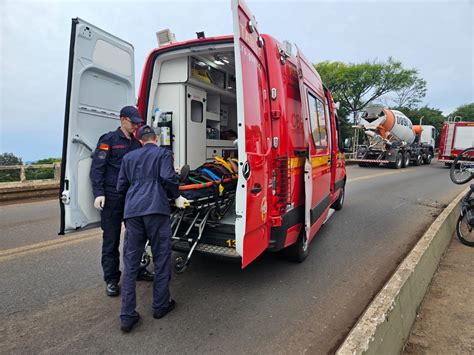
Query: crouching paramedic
[(106, 162), (148, 179)]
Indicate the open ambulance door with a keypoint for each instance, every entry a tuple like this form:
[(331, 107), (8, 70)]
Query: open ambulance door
[(252, 229), (100, 82), (308, 165)]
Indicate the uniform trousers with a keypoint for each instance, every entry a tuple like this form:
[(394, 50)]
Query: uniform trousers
[(111, 224), (156, 228)]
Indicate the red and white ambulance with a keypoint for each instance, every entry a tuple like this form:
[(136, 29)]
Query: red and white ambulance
[(291, 173)]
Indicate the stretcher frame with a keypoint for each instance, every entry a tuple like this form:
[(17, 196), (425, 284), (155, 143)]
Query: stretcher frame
[(197, 215)]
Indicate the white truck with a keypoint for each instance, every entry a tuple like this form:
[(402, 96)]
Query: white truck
[(393, 140)]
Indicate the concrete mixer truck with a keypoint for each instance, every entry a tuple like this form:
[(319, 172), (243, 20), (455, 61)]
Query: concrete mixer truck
[(392, 139)]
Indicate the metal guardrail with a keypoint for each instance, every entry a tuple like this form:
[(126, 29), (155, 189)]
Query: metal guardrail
[(23, 168)]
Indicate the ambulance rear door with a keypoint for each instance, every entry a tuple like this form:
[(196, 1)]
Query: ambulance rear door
[(100, 81), (252, 228)]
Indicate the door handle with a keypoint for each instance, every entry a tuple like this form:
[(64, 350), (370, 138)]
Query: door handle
[(79, 140), (256, 189)]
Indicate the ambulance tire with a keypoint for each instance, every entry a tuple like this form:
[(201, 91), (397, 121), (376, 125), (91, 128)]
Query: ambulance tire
[(337, 205), (298, 251)]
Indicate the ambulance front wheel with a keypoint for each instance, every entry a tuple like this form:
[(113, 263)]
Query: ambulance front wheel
[(180, 265)]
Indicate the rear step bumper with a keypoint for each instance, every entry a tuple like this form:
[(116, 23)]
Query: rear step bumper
[(207, 249)]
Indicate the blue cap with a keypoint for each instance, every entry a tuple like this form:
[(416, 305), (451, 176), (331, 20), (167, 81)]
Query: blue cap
[(132, 113), (145, 130)]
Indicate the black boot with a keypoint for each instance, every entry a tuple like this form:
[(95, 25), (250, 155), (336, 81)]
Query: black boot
[(112, 289)]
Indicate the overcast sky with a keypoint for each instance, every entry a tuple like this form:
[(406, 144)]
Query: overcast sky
[(435, 37)]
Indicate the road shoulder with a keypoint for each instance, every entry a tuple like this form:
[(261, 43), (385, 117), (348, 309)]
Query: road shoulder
[(445, 321)]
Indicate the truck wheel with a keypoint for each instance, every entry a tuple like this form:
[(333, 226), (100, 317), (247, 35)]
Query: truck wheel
[(419, 160), (406, 160), (300, 250), (398, 162), (337, 205), (428, 158)]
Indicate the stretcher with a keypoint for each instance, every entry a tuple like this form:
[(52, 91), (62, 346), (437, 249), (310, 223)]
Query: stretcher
[(210, 191)]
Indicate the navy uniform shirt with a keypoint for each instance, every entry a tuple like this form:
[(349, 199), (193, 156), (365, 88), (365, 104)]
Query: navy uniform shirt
[(148, 179), (107, 159)]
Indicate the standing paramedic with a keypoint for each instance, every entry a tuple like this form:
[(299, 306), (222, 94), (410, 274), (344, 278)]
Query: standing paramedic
[(148, 179), (106, 162)]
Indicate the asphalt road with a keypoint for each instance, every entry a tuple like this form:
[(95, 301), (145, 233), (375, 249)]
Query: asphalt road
[(53, 298)]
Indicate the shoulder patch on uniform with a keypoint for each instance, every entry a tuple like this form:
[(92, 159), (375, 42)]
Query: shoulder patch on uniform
[(102, 154), (104, 146)]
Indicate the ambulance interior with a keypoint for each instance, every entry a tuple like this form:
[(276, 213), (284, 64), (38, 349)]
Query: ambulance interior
[(195, 89)]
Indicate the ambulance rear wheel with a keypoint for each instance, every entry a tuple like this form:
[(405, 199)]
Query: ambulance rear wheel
[(300, 250), (337, 205)]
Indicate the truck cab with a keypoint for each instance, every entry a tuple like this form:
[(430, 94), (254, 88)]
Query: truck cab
[(428, 135), (244, 96)]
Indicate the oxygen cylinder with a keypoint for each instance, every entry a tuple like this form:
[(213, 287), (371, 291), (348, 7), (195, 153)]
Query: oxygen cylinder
[(165, 126), (165, 136)]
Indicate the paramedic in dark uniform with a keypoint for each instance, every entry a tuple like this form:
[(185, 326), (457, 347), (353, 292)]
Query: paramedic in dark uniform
[(148, 179), (106, 162)]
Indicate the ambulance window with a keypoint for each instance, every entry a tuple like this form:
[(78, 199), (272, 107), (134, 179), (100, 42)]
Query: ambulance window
[(196, 111), (318, 121), (323, 136), (313, 117)]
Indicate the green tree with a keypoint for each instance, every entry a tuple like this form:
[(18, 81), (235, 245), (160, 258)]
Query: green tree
[(466, 112), (357, 85), (10, 159), (409, 96), (42, 173), (7, 159), (48, 161)]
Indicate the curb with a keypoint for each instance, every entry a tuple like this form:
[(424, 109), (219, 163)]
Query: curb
[(386, 324)]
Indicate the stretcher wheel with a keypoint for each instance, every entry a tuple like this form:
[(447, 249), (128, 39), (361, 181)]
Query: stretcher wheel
[(145, 261), (215, 216), (180, 265)]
